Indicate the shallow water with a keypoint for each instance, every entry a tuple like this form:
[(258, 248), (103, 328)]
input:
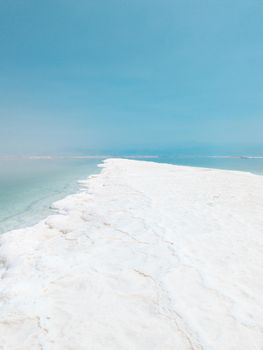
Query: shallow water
[(29, 186)]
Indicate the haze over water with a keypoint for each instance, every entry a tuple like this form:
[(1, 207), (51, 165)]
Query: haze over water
[(133, 75), (130, 74)]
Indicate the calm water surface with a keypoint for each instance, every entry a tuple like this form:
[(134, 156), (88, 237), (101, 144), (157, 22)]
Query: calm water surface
[(29, 187), (254, 165)]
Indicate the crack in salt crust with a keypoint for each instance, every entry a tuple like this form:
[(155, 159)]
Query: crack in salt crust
[(145, 256)]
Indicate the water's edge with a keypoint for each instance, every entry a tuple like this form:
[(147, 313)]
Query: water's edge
[(40, 206)]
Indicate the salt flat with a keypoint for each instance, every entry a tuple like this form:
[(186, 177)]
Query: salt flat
[(146, 256)]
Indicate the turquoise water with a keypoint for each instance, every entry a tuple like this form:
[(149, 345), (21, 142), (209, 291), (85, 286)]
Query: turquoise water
[(29, 187), (254, 165)]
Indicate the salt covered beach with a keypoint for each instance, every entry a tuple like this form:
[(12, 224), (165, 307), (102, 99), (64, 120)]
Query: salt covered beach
[(145, 256)]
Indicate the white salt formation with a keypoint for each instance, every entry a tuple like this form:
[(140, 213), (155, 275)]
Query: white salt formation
[(148, 256)]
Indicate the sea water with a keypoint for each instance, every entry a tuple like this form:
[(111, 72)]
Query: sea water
[(28, 187), (238, 163)]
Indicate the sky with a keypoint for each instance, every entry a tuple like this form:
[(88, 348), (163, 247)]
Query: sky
[(116, 74)]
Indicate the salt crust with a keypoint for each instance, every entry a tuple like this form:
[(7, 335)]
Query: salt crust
[(145, 256)]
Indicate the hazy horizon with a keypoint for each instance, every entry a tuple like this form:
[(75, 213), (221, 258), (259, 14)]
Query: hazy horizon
[(139, 76)]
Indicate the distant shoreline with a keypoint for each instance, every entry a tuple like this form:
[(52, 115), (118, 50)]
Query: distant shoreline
[(50, 157), (143, 156)]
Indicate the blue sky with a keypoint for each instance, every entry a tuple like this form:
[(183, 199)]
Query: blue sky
[(130, 74)]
